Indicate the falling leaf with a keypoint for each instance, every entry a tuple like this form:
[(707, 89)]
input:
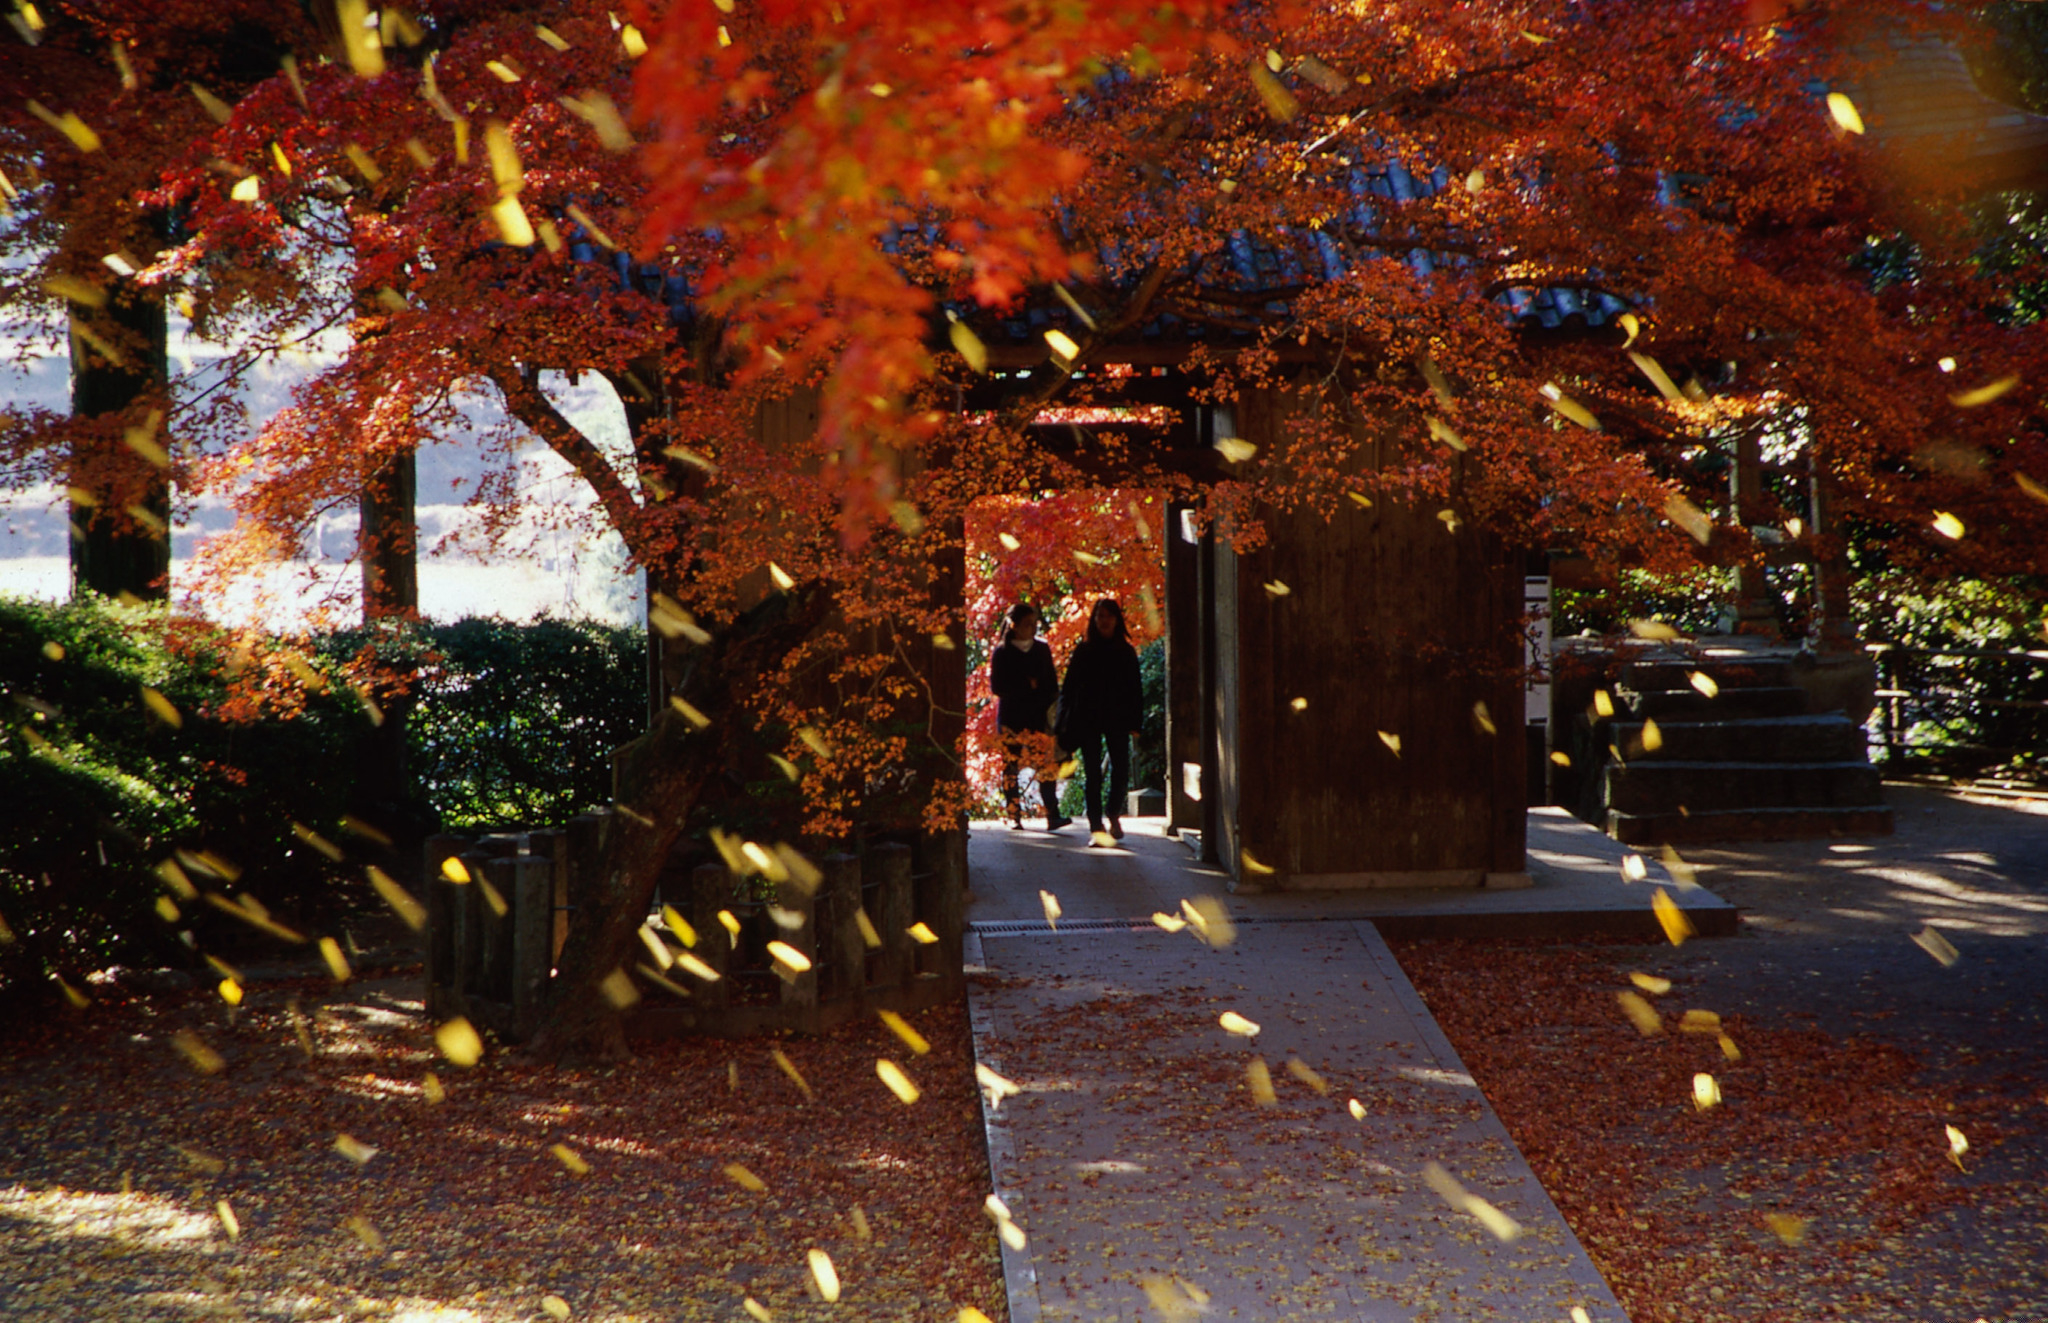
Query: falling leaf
[(1482, 717), (1306, 1073), (2031, 488), (1671, 918), (1276, 589), (780, 577), (1210, 920), (1260, 1081), (1957, 1145), (1659, 378), (743, 1178), (1683, 873), (510, 218), (203, 1058), (359, 1227), (1641, 1014), (1300, 704), (570, 1159), (1392, 741), (1654, 630), (826, 1277), (1705, 1092), (1363, 501), (230, 992), (458, 1041), (1787, 1227), (229, 1222), (1561, 758), (398, 898), (859, 1217), (161, 708), (549, 36), (969, 346), (1447, 434), (1052, 909), (1689, 517), (317, 841), (80, 1001), (899, 1026), (1632, 325), (355, 1150), (82, 292), (1985, 394), (1931, 941), (1356, 1108), (431, 1089), (1569, 408), (1653, 738), (869, 936), (1251, 864), (899, 1083), (1280, 103), (1844, 112), (1172, 923), (1235, 449), (1499, 1224), (996, 1086), (453, 869), (1635, 870), (1009, 541), (618, 990), (1947, 524), (1728, 1047), (756, 1310), (1449, 519), (68, 124), (1651, 984), (1705, 683), (1063, 347), (1699, 1022)]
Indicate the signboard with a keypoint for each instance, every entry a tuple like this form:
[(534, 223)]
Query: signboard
[(1536, 606)]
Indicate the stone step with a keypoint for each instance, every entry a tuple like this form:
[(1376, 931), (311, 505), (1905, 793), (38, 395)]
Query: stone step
[(1754, 824), (1828, 738), (1729, 673), (1689, 704), (1707, 787)]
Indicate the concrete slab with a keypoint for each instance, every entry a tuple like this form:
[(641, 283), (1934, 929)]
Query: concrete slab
[(1150, 1183), (1576, 874)]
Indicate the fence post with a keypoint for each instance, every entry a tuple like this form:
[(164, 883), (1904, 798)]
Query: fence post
[(846, 953), (800, 990), (465, 904), (441, 904), (890, 864), (495, 962), (710, 892), (533, 887), (942, 903)]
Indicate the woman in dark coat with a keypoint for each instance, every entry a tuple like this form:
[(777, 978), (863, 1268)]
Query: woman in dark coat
[(1021, 676), (1101, 706)]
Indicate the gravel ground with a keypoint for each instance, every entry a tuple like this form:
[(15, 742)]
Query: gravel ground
[(1823, 1186)]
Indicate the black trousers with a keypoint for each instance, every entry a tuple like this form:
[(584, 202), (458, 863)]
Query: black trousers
[(1091, 746), (1014, 761)]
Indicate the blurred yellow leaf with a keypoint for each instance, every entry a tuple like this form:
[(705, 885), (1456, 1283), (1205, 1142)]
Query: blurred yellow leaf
[(1260, 1081), (510, 218), (162, 708), (1948, 525), (618, 990), (355, 1150), (1699, 1022), (431, 1089), (1304, 1072), (899, 1083), (1650, 983), (1392, 741), (1233, 1023), (203, 1058), (1844, 112), (228, 1221), (788, 1067), (570, 1159), (922, 934), (458, 1041), (1052, 908), (901, 1027), (826, 1277), (1787, 1228), (969, 347), (1670, 917), (1356, 1108), (1931, 941), (1235, 449), (1985, 394), (1640, 1013), (743, 1178), (1705, 683), (1705, 1092), (398, 898)]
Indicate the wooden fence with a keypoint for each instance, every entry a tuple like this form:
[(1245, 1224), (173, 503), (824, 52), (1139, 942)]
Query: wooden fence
[(880, 930)]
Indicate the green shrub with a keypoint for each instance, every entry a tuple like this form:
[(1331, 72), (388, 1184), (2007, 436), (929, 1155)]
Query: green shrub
[(99, 790)]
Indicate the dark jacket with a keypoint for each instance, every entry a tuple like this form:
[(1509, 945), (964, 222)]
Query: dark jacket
[(1102, 694), (1024, 684)]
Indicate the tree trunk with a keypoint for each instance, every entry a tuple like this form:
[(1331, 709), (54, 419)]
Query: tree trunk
[(113, 550), (660, 777)]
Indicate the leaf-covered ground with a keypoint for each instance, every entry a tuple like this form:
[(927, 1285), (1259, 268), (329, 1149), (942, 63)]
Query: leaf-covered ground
[(1822, 1186), (117, 1155)]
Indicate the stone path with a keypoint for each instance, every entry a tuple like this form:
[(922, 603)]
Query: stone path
[(1149, 1181)]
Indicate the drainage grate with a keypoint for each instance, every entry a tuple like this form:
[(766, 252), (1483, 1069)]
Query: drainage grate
[(1039, 928)]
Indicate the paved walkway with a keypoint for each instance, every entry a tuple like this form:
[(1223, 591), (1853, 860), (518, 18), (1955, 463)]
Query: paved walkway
[(1149, 1180)]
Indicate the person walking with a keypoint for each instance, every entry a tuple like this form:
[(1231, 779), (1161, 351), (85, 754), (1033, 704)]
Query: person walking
[(1101, 706), (1020, 674)]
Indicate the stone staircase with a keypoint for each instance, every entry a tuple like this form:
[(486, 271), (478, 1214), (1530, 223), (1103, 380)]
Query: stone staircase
[(1751, 762)]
